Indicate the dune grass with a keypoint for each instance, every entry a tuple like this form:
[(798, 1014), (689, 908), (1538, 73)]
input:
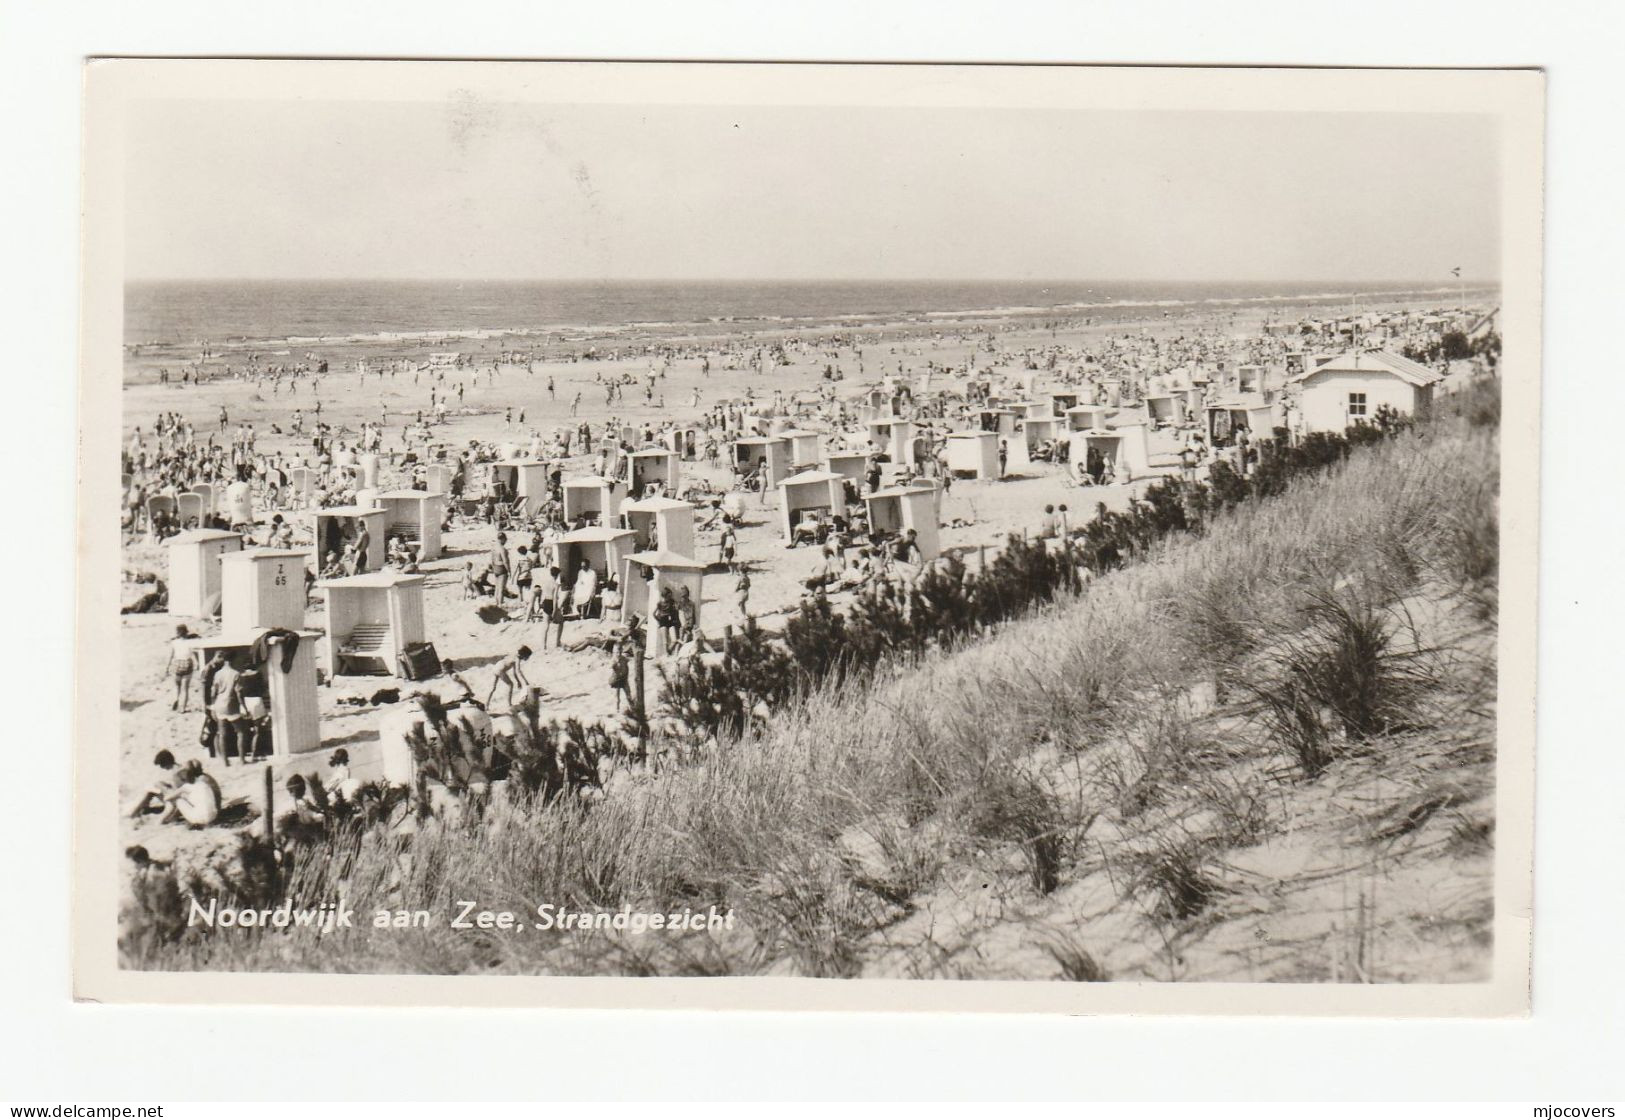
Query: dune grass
[(822, 826)]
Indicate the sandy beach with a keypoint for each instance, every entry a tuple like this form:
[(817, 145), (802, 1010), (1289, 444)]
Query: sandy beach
[(976, 516)]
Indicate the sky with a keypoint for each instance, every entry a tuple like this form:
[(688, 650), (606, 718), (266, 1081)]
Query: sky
[(456, 190)]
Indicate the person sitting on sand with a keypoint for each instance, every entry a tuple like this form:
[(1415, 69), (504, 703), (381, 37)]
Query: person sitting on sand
[(197, 800), (510, 672), (157, 796), (397, 555), (339, 779), (305, 807), (1049, 527)]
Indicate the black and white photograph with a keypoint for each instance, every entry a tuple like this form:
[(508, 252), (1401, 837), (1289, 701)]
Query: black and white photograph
[(898, 527)]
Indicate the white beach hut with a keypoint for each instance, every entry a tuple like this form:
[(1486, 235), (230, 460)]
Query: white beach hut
[(371, 620), (661, 525), (289, 668), (895, 438), (415, 517), (592, 496), (851, 465), (261, 588), (751, 450), (335, 526), (1086, 417), (897, 509), (973, 454), (522, 480), (1061, 400), (1124, 448), (804, 449), (653, 465), (1164, 408), (809, 494), (194, 570), (644, 575)]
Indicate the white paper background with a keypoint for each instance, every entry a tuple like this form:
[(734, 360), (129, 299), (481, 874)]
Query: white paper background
[(55, 1051)]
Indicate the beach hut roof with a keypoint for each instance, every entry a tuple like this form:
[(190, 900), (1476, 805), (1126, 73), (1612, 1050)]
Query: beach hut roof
[(260, 553), (812, 476), (1366, 361), (665, 558), (372, 579), (651, 452), (409, 494), (193, 536), (236, 638), (851, 453), (897, 492), (654, 505), (593, 533), (588, 480)]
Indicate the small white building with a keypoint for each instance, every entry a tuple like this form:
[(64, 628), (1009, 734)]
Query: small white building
[(751, 450), (1125, 449), (261, 588), (194, 570), (817, 494), (895, 438), (289, 668), (852, 465), (652, 465), (602, 548), (523, 480), (415, 517), (1086, 417), (1038, 430), (1165, 408), (644, 575), (592, 496), (897, 509), (661, 525), (973, 454), (371, 620), (336, 526), (804, 449), (1335, 393)]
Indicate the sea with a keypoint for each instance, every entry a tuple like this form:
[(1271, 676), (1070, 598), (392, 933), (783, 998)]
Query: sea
[(270, 311)]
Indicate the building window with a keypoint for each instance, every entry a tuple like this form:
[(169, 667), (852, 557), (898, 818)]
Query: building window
[(1356, 405)]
